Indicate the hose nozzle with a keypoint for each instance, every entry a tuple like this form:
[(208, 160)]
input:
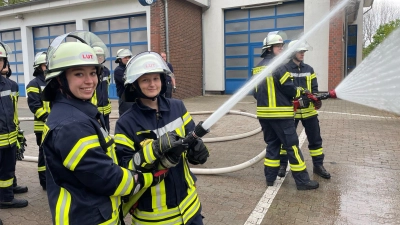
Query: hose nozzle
[(330, 94)]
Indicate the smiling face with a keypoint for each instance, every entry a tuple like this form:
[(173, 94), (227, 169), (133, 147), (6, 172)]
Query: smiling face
[(150, 84), (82, 81)]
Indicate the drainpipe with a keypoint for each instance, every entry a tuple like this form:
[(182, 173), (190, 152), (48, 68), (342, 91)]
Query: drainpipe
[(204, 56), (166, 29)]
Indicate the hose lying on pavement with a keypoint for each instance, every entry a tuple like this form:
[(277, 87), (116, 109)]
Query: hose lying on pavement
[(206, 140)]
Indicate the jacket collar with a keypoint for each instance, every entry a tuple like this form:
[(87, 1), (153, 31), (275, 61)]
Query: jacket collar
[(2, 79), (85, 106), (294, 65), (163, 104)]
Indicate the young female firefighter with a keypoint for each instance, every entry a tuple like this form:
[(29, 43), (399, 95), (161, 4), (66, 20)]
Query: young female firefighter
[(84, 182), (153, 118), (276, 114), (39, 108)]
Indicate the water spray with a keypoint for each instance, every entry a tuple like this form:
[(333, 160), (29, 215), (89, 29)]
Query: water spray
[(375, 82), (275, 63)]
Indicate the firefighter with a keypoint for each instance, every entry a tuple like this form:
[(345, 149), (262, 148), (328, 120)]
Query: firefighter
[(8, 137), (84, 181), (305, 77), (152, 116), (275, 113), (100, 97), (39, 108), (123, 56)]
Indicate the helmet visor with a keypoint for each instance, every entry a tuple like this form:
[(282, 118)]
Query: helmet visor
[(144, 63), (82, 36)]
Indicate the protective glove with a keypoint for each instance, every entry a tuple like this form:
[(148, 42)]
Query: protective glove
[(174, 89), (317, 104), (153, 150), (198, 153), (145, 180), (21, 144)]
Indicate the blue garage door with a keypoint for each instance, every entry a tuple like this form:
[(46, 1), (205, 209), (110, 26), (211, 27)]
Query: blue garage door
[(44, 35), (13, 39), (245, 30), (122, 32)]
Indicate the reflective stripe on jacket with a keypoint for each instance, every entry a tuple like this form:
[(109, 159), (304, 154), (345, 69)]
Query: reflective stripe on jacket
[(39, 108), (275, 93), (174, 200), (304, 77), (100, 97), (9, 112), (87, 184)]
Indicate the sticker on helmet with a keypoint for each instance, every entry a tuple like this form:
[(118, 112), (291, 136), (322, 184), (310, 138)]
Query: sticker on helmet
[(150, 65), (87, 56)]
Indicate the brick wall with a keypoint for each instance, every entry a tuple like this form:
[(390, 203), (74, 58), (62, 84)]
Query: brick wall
[(185, 43), (336, 49)]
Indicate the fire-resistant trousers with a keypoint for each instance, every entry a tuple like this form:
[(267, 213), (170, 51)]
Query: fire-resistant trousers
[(41, 162), (277, 133), (313, 132), (7, 172)]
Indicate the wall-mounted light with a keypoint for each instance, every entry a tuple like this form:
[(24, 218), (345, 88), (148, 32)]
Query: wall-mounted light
[(21, 17)]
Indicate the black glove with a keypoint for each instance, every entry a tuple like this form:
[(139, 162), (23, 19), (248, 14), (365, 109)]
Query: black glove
[(174, 90), (198, 153), (318, 104), (22, 144), (167, 142), (145, 180)]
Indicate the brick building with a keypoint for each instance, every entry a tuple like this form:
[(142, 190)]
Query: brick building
[(212, 44)]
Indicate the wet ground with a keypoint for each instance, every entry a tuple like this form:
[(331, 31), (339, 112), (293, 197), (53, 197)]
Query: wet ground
[(362, 153)]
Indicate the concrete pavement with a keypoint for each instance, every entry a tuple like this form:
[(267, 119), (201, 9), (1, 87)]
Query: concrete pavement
[(362, 149)]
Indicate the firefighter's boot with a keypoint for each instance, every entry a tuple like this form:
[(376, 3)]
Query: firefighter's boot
[(282, 170), (312, 184), (321, 171)]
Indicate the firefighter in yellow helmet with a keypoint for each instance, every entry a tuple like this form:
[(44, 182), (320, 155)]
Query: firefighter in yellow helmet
[(84, 182), (8, 137), (123, 56), (139, 130), (304, 77), (39, 108), (100, 97), (275, 113)]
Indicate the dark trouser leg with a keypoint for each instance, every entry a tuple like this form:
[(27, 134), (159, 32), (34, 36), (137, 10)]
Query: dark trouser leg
[(123, 106), (168, 93), (286, 131), (41, 162), (271, 161), (311, 126), (7, 173), (197, 220), (107, 121), (283, 153)]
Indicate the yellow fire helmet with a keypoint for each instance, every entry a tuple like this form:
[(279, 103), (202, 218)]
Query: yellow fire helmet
[(63, 55), (122, 53), (144, 63), (274, 37), (302, 46), (5, 50), (40, 58)]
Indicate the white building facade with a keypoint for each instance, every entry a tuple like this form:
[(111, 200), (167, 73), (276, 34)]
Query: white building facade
[(231, 40)]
